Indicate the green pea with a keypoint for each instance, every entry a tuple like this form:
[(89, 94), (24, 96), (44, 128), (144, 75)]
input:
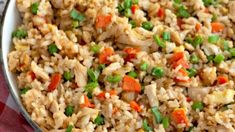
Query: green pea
[(197, 106), (69, 128), (158, 72), (75, 15), (147, 25), (132, 74), (91, 86), (166, 36), (67, 76), (99, 120), (133, 23), (69, 110), (93, 74), (219, 58), (191, 72), (113, 78), (52, 49), (194, 59), (213, 39), (144, 66)]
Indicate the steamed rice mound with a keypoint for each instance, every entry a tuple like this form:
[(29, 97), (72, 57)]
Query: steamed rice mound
[(109, 65)]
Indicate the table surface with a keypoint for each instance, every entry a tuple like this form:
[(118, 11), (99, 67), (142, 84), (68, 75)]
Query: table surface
[(10, 118)]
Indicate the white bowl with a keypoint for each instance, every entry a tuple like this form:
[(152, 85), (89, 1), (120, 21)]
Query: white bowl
[(11, 19)]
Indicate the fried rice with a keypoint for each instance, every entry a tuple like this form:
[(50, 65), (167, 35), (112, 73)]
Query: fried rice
[(126, 66)]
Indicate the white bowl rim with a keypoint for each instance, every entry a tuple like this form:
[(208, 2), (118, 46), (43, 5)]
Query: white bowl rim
[(6, 76)]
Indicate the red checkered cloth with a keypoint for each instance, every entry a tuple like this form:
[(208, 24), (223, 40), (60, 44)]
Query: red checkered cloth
[(10, 118)]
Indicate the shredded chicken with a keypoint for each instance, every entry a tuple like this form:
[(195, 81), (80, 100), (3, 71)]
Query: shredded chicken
[(151, 92), (39, 71), (80, 72)]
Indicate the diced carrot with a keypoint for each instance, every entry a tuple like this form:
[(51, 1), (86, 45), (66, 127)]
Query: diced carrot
[(87, 103), (161, 13), (134, 8), (131, 53), (198, 27), (184, 63), (131, 50), (222, 79), (130, 84), (135, 106), (32, 75), (217, 27), (104, 55), (101, 96), (103, 21), (55, 80), (177, 56), (179, 116), (180, 22)]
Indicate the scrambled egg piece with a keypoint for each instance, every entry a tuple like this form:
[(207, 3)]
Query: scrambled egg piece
[(221, 97)]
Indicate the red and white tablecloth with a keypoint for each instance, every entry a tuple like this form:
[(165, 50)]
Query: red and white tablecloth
[(10, 118)]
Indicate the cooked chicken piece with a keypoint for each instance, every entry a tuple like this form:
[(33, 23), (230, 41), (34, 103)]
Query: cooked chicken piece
[(197, 93), (220, 97), (151, 92), (39, 71), (208, 75), (80, 72), (232, 10), (111, 68)]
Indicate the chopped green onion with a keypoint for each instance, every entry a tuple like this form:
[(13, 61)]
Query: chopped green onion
[(213, 39), (20, 33), (121, 9), (166, 36), (99, 120), (127, 4), (214, 17), (190, 129), (93, 74), (75, 24), (34, 8), (75, 15), (198, 40), (52, 49), (89, 95), (165, 122), (191, 72), (232, 52), (67, 75), (177, 1), (158, 41), (146, 127), (69, 110), (219, 58), (225, 45), (127, 13), (210, 58), (101, 67), (132, 74), (113, 78), (133, 23), (135, 1), (144, 66), (91, 86), (147, 25), (209, 2), (156, 113), (182, 12), (95, 48), (197, 106), (158, 72), (24, 90), (69, 128), (194, 59)]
